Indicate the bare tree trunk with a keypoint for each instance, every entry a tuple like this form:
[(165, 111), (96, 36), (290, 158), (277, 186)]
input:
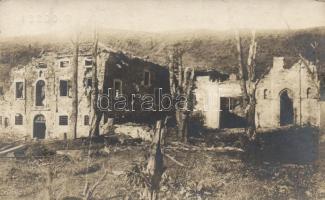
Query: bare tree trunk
[(74, 89), (183, 125), (181, 84), (49, 182), (248, 83), (241, 70), (155, 166), (96, 113)]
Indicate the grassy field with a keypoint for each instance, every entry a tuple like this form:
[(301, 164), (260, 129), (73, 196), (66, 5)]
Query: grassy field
[(44, 173)]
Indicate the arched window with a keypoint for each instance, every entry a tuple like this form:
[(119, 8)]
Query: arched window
[(40, 93), (287, 112), (265, 91), (309, 93), (18, 119)]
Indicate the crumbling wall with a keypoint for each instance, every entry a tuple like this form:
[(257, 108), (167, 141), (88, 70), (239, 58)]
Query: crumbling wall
[(207, 101), (56, 105), (130, 71), (208, 94), (134, 131)]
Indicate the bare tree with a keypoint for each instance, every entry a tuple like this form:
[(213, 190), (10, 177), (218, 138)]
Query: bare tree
[(248, 82), (315, 75), (74, 88), (155, 166), (181, 85), (96, 113)]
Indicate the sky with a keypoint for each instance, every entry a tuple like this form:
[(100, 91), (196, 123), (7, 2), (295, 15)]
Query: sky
[(31, 17)]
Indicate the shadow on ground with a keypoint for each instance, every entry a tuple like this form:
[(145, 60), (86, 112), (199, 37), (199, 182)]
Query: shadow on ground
[(289, 145)]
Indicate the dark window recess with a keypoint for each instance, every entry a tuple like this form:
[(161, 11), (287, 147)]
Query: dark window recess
[(308, 93), (88, 62), (265, 93), (224, 103), (64, 88), (89, 82), (1, 120), (63, 120), (18, 119), (64, 63), (229, 103), (86, 120), (42, 65), (1, 90), (40, 93), (6, 122), (118, 87), (19, 90), (146, 78)]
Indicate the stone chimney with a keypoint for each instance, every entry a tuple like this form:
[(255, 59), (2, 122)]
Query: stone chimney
[(278, 63)]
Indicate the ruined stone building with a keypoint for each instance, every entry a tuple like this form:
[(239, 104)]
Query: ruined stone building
[(217, 98), (35, 100), (286, 95)]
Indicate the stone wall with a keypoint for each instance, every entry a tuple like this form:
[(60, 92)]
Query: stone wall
[(298, 82), (302, 86), (130, 71), (207, 94), (56, 105)]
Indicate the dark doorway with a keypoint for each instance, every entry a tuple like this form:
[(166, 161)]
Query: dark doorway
[(40, 93), (39, 127), (229, 113), (286, 108)]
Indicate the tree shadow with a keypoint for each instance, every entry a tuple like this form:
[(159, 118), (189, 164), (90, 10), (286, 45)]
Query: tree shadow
[(287, 145)]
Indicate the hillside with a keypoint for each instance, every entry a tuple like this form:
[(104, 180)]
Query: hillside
[(204, 48)]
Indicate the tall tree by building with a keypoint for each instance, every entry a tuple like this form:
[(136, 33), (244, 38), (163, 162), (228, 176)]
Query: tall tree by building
[(74, 87)]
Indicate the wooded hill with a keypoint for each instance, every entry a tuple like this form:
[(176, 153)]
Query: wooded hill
[(203, 48)]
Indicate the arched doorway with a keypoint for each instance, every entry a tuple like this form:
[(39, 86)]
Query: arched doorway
[(39, 127), (40, 93), (286, 108)]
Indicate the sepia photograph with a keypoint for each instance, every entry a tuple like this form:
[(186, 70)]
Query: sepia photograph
[(162, 100)]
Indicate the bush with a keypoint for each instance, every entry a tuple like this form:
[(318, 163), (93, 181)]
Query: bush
[(39, 151)]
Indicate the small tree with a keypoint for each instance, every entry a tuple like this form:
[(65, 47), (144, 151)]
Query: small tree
[(181, 85)]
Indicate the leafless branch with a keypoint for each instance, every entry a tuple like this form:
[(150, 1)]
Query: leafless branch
[(174, 160)]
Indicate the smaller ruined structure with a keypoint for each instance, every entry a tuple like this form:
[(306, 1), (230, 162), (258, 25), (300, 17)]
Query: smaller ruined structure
[(218, 99), (287, 95)]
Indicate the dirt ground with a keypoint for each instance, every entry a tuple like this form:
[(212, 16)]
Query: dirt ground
[(206, 174)]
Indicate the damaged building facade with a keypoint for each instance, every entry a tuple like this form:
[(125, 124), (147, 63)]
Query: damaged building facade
[(217, 99), (287, 95), (35, 100)]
